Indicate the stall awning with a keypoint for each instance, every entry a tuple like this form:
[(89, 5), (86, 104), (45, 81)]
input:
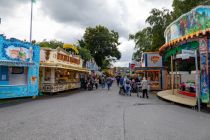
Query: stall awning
[(62, 66), (15, 63), (166, 46)]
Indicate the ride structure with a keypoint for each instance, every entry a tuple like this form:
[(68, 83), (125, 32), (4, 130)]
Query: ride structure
[(188, 39)]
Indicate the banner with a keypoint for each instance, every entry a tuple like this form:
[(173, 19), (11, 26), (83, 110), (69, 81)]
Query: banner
[(204, 73)]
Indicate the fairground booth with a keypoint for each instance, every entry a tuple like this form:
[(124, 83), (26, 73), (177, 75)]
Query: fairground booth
[(19, 68), (152, 68), (187, 47), (60, 70)]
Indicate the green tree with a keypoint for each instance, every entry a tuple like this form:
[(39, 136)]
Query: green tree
[(51, 44), (158, 21), (183, 6), (102, 45), (142, 41), (85, 54), (152, 37)]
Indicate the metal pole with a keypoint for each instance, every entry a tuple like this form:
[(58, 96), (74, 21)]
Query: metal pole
[(172, 75), (30, 39), (197, 81), (176, 81)]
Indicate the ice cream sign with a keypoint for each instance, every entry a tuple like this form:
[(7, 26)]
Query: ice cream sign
[(155, 59), (18, 53)]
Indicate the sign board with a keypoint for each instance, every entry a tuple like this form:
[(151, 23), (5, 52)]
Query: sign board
[(132, 66), (154, 60), (186, 54), (190, 52)]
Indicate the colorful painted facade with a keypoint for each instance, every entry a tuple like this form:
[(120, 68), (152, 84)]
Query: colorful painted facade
[(19, 68), (195, 20), (190, 33)]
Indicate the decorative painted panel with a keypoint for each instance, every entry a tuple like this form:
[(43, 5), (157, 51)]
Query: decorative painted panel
[(195, 20), (204, 75), (13, 53)]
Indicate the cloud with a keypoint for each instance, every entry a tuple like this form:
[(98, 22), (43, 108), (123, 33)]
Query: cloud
[(71, 34), (87, 13), (8, 7), (66, 20), (126, 48)]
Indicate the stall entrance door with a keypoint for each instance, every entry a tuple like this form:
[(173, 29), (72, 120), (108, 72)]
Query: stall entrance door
[(4, 75)]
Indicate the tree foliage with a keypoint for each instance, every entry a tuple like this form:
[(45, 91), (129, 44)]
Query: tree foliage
[(85, 54), (51, 44), (102, 45), (183, 6), (152, 37)]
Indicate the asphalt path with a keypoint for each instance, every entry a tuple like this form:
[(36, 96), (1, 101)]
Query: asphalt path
[(101, 115)]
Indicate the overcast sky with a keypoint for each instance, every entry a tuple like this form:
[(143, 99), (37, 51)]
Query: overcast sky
[(66, 20)]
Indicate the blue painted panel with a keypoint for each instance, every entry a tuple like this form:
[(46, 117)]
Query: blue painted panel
[(13, 50), (13, 91), (3, 75)]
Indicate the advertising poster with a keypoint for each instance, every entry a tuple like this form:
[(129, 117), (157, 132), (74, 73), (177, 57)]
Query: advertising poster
[(204, 74)]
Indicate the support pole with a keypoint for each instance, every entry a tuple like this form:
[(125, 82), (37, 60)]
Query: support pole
[(172, 75), (30, 37), (197, 79), (176, 78)]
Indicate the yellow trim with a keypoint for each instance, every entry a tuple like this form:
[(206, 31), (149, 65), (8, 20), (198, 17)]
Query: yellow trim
[(70, 46), (182, 38)]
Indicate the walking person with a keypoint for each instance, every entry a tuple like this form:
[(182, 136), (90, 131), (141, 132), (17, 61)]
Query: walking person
[(96, 82), (109, 82), (103, 82), (112, 80), (118, 80), (122, 85), (128, 87), (144, 85)]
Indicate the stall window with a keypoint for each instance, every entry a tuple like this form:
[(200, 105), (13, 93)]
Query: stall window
[(18, 75), (47, 75)]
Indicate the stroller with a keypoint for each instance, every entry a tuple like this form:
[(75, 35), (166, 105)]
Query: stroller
[(139, 89), (134, 87), (122, 90), (89, 85)]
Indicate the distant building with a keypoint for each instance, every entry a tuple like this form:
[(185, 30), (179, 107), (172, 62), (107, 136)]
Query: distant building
[(122, 70)]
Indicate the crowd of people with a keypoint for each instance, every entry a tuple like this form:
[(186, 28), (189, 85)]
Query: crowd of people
[(138, 85), (92, 82), (127, 84)]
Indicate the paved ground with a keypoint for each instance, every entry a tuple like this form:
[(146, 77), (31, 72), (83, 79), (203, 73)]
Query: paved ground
[(101, 115)]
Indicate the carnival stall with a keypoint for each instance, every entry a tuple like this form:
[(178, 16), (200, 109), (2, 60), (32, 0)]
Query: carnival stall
[(19, 68), (187, 40), (60, 70), (152, 68)]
